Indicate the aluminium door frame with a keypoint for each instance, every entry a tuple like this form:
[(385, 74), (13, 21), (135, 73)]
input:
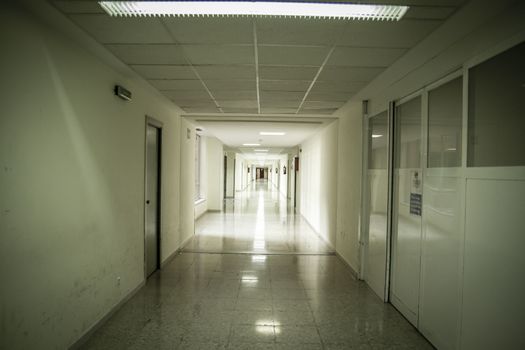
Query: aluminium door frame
[(150, 121)]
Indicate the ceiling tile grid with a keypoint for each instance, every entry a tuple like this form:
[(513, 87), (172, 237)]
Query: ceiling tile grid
[(259, 65)]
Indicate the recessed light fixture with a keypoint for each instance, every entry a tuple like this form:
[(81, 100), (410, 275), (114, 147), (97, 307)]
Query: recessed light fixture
[(260, 150), (272, 133), (251, 144), (339, 10), (375, 136)]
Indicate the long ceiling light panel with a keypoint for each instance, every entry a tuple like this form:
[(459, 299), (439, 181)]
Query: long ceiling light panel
[(254, 8)]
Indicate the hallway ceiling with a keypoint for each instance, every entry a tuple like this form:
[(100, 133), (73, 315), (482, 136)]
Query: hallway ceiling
[(235, 133), (211, 65)]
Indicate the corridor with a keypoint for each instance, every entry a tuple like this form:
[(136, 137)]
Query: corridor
[(270, 283), (259, 220)]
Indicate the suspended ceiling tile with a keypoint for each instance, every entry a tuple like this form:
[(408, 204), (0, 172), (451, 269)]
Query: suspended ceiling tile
[(188, 95), (280, 104), (176, 84), (183, 103), (341, 86), (148, 54), (234, 84), (281, 96), (284, 85), (240, 110), (234, 95), (164, 71), (322, 104), (219, 54), (364, 57), (287, 73), (323, 111), (329, 96), (292, 55), (298, 31), (360, 74), (278, 110), (401, 34), (77, 7), (106, 29), (224, 72), (201, 109), (211, 30), (237, 103)]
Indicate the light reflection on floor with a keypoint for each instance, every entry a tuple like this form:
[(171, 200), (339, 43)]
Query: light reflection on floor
[(260, 220), (256, 301)]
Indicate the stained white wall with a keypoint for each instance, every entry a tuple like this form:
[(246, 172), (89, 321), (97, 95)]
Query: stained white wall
[(72, 184), (318, 181)]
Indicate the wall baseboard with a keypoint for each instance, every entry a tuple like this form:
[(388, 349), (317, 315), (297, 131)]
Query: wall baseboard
[(89, 332), (354, 273), (330, 245)]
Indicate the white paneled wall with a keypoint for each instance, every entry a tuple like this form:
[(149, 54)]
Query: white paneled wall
[(456, 270)]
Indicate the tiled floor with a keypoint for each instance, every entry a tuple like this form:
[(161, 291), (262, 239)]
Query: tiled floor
[(258, 220), (256, 301)]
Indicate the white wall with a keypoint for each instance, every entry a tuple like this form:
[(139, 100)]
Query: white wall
[(72, 184), (187, 178), (230, 174), (349, 185), (212, 168), (318, 181), (215, 176)]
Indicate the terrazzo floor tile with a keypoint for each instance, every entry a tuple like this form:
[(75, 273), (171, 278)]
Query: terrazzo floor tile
[(230, 290)]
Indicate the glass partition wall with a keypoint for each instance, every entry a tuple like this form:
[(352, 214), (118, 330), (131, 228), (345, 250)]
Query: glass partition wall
[(445, 199)]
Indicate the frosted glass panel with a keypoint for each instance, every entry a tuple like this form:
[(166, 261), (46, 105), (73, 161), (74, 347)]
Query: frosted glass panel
[(378, 136), (496, 111), (408, 134), (445, 125)]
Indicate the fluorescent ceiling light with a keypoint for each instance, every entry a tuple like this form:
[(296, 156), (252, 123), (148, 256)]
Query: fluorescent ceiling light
[(272, 133), (375, 136), (260, 150), (254, 8), (251, 144)]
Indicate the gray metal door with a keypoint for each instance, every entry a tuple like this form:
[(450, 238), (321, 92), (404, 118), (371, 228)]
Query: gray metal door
[(152, 220)]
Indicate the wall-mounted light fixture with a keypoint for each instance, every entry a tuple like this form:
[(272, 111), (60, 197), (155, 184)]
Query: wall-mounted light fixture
[(333, 10)]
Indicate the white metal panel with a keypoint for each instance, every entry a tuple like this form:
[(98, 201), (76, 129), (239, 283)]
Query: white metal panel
[(441, 258), (406, 225), (493, 284)]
